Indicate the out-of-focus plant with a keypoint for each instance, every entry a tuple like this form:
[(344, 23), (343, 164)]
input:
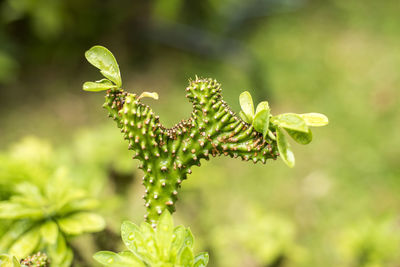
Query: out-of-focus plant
[(371, 243), (267, 240), (164, 246), (30, 160), (43, 219)]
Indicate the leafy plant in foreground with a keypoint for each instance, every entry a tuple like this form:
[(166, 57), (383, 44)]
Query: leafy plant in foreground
[(164, 246), (43, 218), (167, 154)]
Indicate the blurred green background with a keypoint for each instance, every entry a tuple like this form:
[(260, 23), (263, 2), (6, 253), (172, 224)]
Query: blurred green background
[(338, 207)]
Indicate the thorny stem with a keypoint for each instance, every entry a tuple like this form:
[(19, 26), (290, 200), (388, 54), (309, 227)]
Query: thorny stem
[(167, 154)]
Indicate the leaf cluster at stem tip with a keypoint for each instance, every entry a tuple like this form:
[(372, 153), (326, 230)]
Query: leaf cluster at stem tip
[(164, 246), (104, 60), (296, 125)]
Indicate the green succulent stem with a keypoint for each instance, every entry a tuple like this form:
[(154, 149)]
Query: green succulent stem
[(168, 154)]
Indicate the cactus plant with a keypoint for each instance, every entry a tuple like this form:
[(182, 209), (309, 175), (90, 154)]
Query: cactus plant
[(213, 129)]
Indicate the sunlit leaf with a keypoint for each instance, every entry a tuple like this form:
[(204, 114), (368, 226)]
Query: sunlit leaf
[(244, 117), (261, 121), (189, 239), (134, 241), (315, 119), (82, 222), (149, 239), (246, 103), (26, 244), (290, 121), (300, 137), (49, 231), (177, 241), (164, 232), (201, 260), (98, 86), (284, 148), (186, 258), (153, 95), (103, 59), (262, 106)]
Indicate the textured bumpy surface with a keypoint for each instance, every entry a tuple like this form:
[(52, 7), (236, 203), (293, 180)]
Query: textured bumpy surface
[(167, 155)]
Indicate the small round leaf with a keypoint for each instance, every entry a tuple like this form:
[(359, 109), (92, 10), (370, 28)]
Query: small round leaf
[(284, 148), (262, 106), (98, 86), (153, 95), (315, 119), (104, 60), (246, 103), (290, 121), (300, 137), (261, 121)]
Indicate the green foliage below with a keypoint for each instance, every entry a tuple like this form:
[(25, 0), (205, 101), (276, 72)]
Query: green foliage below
[(41, 207), (164, 246)]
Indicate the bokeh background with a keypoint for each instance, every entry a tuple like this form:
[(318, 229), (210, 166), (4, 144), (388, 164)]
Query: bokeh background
[(339, 206)]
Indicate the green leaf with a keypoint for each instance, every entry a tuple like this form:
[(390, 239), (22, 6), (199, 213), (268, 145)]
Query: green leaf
[(134, 241), (164, 233), (123, 259), (67, 261), (178, 241), (300, 137), (246, 103), (131, 235), (186, 258), (58, 252), (82, 222), (315, 119), (153, 95), (103, 59), (149, 239), (49, 232), (8, 261), (189, 239), (98, 86), (262, 106), (9, 210), (244, 117), (201, 260), (26, 244), (284, 148), (18, 228), (84, 204), (290, 121), (261, 122)]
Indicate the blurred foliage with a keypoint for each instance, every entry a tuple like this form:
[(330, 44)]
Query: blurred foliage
[(336, 56)]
